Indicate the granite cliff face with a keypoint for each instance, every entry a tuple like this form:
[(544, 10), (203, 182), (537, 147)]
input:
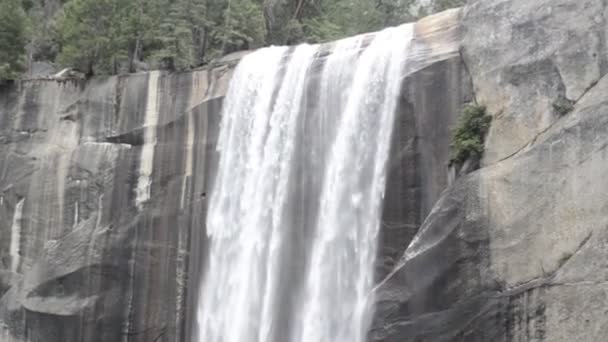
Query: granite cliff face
[(96, 243), (516, 251), (104, 183)]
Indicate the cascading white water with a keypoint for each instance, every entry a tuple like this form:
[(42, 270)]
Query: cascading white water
[(294, 215)]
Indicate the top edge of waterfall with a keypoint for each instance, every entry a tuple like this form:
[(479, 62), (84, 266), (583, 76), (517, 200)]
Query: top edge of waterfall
[(361, 36), (434, 38)]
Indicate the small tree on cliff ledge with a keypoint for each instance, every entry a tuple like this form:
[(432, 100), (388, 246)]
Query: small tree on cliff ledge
[(469, 135), (12, 39)]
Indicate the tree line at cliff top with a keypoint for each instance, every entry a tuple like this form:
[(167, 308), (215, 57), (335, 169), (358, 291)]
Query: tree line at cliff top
[(119, 36)]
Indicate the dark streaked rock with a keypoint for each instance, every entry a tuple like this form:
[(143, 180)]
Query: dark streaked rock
[(80, 260)]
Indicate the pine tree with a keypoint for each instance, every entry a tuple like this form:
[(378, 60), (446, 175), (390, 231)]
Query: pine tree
[(91, 35), (176, 39), (138, 21), (108, 36), (42, 43), (12, 39), (201, 25), (334, 19), (243, 26)]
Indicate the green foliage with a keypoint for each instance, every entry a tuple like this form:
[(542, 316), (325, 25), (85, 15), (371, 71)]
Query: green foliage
[(396, 12), (293, 32), (12, 39), (110, 36), (341, 18), (43, 44), (318, 30), (176, 38), (136, 23), (244, 27), (442, 5), (92, 36), (247, 25), (470, 133)]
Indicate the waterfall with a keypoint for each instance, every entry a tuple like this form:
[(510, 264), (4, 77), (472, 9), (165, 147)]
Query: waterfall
[(146, 166), (295, 210)]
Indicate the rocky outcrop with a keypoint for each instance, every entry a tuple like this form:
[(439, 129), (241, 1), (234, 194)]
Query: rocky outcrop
[(516, 251)]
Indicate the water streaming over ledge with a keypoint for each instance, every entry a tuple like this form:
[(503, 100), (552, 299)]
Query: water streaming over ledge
[(294, 215)]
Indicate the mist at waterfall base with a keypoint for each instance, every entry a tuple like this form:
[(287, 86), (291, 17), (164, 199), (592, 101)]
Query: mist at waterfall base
[(294, 215)]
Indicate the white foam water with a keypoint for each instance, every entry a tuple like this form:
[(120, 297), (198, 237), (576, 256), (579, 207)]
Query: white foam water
[(274, 274)]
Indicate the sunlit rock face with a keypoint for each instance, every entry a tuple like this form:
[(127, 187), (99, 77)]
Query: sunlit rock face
[(105, 185)]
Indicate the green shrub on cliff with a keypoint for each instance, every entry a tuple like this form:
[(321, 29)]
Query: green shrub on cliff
[(12, 39), (469, 135)]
